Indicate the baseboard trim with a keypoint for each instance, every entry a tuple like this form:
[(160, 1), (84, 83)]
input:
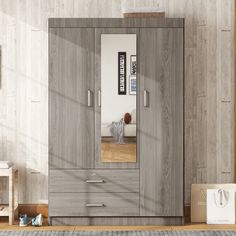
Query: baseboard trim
[(187, 214), (112, 221)]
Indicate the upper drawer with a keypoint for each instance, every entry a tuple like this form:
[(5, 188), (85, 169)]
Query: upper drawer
[(94, 181)]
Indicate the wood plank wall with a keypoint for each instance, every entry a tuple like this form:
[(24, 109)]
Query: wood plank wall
[(234, 92), (209, 83)]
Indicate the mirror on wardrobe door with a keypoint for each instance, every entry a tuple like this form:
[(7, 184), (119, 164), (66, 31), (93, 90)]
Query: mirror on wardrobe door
[(118, 98)]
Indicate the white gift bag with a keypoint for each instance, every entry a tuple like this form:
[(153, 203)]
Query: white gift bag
[(199, 198), (220, 206)]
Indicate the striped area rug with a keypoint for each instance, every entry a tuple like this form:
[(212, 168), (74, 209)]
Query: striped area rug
[(118, 233)]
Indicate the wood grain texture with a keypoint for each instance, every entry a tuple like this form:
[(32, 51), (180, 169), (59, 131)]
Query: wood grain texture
[(33, 209), (208, 138), (113, 204), (11, 196), (121, 221), (160, 125), (144, 15), (71, 120), (75, 181), (115, 23), (211, 101), (234, 91), (24, 88), (10, 210), (161, 122), (111, 152)]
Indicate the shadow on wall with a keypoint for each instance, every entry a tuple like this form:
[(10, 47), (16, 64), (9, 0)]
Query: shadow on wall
[(24, 92)]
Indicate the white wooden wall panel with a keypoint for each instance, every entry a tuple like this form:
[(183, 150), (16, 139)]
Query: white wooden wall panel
[(209, 82)]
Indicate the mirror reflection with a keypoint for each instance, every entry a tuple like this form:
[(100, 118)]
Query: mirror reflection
[(118, 98)]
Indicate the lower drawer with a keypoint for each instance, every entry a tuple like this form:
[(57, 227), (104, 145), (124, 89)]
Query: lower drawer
[(94, 204)]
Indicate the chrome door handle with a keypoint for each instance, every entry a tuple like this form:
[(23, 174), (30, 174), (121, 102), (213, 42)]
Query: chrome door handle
[(99, 98), (90, 102), (94, 205), (145, 98), (89, 98), (94, 181)]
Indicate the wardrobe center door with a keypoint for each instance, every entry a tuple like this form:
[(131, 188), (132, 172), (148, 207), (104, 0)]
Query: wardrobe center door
[(161, 121), (71, 106), (115, 49)]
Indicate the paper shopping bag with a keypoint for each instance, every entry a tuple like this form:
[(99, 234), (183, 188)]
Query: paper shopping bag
[(198, 199), (220, 206)]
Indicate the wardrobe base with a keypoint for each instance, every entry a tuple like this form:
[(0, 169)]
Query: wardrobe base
[(105, 221)]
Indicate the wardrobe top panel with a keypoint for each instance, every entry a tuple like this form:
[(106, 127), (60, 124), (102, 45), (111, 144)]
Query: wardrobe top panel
[(116, 22)]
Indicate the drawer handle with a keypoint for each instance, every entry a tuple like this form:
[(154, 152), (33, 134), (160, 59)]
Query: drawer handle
[(95, 181), (95, 205)]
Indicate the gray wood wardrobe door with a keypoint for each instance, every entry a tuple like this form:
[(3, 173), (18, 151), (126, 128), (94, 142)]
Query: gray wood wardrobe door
[(71, 87), (161, 121)]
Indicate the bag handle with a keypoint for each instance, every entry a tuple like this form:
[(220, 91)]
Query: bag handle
[(221, 198)]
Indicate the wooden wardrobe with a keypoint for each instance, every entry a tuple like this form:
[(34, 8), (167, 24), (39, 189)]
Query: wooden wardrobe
[(82, 189)]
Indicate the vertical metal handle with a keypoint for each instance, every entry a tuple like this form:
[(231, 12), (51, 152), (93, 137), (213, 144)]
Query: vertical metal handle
[(99, 98), (90, 103), (145, 98)]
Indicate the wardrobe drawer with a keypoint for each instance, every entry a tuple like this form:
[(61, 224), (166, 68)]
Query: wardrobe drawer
[(94, 204), (94, 181)]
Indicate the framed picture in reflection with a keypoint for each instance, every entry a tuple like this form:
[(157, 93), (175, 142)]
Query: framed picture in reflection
[(132, 85), (133, 65), (122, 73)]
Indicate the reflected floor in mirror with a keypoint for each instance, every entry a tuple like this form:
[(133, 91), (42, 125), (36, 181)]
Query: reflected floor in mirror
[(115, 152)]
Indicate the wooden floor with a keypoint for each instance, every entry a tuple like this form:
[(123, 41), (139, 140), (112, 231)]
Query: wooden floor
[(5, 226), (114, 152)]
